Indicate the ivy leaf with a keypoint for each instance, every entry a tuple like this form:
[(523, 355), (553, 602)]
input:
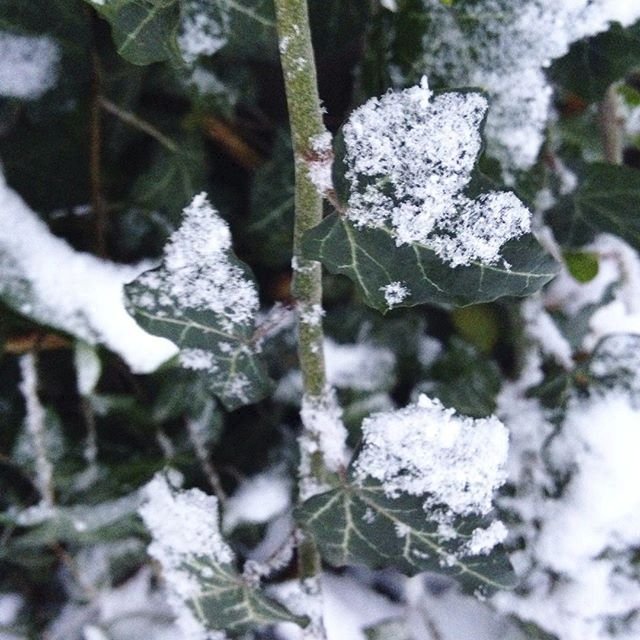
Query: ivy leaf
[(372, 260), (198, 565), (594, 63), (359, 524), (203, 299), (144, 31), (606, 201), (227, 601)]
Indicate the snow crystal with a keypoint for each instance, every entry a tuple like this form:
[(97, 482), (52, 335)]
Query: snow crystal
[(90, 305), (199, 274), (258, 500), (185, 530), (409, 158), (201, 33), (395, 293), (28, 65), (483, 541), (426, 450), (505, 53)]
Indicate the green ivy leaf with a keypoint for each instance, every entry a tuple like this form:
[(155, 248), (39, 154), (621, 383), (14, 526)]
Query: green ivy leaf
[(607, 201), (372, 260), (582, 265), (229, 602), (359, 524), (213, 340), (594, 63), (144, 31)]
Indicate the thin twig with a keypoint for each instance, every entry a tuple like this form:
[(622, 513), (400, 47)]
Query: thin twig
[(138, 123), (98, 205), (611, 126)]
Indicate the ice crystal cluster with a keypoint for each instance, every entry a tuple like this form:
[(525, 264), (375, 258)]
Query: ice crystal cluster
[(198, 273), (409, 159), (455, 462), (503, 47), (185, 529)]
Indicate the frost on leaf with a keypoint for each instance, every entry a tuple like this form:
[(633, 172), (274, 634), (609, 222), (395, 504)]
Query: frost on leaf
[(204, 589), (204, 299), (409, 158)]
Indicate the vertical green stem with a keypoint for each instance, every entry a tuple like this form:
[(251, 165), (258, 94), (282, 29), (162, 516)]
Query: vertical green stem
[(305, 117)]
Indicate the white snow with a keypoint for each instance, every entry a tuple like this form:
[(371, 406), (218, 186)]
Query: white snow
[(198, 273), (258, 499), (510, 45), (361, 366), (586, 534), (324, 434), (395, 293), (201, 33), (45, 279), (28, 65), (455, 462), (409, 157)]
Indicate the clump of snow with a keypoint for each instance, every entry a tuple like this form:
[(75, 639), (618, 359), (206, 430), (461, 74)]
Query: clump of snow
[(325, 435), (395, 293), (44, 278), (456, 462), (409, 157), (258, 500), (321, 161), (28, 65), (580, 511), (10, 605), (203, 29), (484, 540), (198, 273), (185, 529), (503, 47), (361, 366)]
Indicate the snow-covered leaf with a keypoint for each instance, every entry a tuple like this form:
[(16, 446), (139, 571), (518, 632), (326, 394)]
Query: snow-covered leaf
[(418, 497), (205, 590), (607, 201), (204, 300), (389, 275), (360, 524)]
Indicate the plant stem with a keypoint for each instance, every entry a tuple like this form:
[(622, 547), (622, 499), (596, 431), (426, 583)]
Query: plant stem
[(611, 124), (305, 117)]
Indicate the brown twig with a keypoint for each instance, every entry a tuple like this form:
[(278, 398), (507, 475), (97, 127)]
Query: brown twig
[(224, 134)]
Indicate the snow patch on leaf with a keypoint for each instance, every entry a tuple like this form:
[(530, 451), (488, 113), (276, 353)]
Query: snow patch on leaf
[(409, 159), (185, 530), (456, 462)]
